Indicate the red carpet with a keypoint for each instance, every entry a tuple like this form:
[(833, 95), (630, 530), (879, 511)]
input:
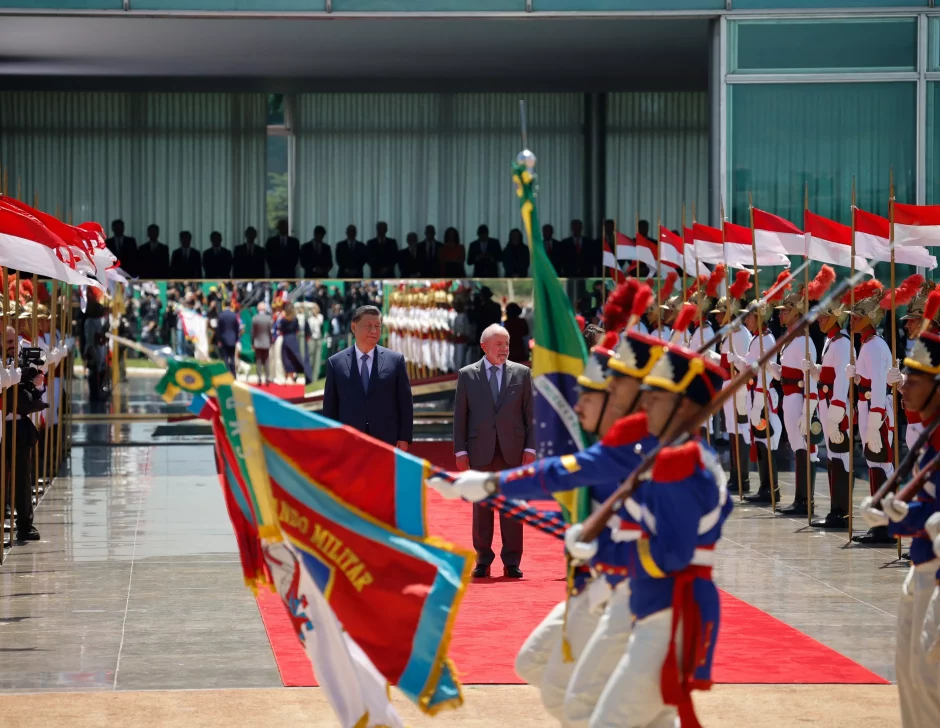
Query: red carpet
[(498, 614), (282, 391)]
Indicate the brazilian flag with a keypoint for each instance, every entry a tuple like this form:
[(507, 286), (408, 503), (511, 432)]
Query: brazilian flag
[(559, 355), (188, 375)]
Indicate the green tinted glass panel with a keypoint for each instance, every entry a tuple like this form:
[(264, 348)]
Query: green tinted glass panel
[(933, 143), (312, 6), (419, 6), (782, 137), (64, 4), (811, 4), (585, 5), (933, 46), (811, 46)]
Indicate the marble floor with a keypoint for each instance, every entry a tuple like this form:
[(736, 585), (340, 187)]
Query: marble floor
[(136, 582)]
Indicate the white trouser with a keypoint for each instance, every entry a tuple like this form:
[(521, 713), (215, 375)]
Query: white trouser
[(913, 432), (599, 658), (535, 651), (741, 399), (794, 414), (774, 416), (828, 432), (633, 696), (888, 467), (582, 621), (918, 679), (930, 633)]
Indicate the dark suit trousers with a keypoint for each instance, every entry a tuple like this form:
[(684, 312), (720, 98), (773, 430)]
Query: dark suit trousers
[(228, 357), (510, 530)]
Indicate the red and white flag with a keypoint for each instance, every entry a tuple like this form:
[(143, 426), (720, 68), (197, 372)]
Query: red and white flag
[(671, 248), (774, 234), (873, 241), (26, 244), (916, 225), (611, 265), (707, 246), (739, 248), (642, 250), (831, 242)]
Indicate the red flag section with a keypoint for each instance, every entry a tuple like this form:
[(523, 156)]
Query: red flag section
[(916, 225), (831, 242), (739, 247), (873, 241), (776, 235)]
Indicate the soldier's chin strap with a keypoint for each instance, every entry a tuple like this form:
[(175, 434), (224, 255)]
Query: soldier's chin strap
[(600, 416)]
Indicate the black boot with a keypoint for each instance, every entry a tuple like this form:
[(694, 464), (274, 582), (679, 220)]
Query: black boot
[(739, 464), (838, 516), (799, 505), (763, 494), (877, 536)]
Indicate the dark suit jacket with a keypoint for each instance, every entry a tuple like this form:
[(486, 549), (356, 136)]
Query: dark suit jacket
[(227, 329), (127, 255), (479, 422), (567, 258), (430, 268), (410, 265), (386, 412), (556, 254), (247, 264), (585, 264), (485, 266), (316, 265), (282, 261), (350, 261), (183, 269), (217, 263), (516, 261), (381, 257), (153, 263)]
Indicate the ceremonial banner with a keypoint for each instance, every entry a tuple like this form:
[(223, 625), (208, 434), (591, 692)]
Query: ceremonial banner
[(872, 240), (612, 266), (559, 354), (916, 225), (707, 246), (776, 235), (196, 330), (672, 249), (739, 248), (831, 242)]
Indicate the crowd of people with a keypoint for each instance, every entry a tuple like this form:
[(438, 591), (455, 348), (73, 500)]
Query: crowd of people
[(283, 257)]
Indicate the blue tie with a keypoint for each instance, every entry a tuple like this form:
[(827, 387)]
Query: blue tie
[(364, 371)]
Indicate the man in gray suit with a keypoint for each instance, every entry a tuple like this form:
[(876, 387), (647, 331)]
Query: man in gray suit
[(493, 431), (261, 342)]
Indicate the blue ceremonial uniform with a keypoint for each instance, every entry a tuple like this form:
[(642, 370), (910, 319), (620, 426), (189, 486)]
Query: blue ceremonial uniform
[(601, 468), (919, 510)]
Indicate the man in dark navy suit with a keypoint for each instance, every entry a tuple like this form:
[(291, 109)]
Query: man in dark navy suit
[(227, 332), (367, 385), (217, 261), (185, 262), (248, 258)]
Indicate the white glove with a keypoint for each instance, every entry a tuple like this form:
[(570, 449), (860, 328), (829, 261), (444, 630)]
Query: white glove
[(740, 363), (873, 435), (757, 410), (471, 485), (814, 370), (741, 403), (599, 592), (930, 633), (4, 378), (872, 516), (835, 416), (932, 527), (895, 376), (850, 372), (444, 487), (812, 409), (896, 510), (774, 370), (579, 550)]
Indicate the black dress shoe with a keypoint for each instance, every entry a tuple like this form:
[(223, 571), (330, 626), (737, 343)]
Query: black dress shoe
[(761, 496), (512, 572), (877, 536), (832, 521), (30, 535), (481, 572), (797, 508)]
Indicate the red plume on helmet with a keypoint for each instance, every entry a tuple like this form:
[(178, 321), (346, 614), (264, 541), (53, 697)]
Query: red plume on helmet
[(932, 307), (699, 283), (863, 290), (718, 275), (619, 305), (742, 284), (611, 339), (641, 301), (668, 285), (904, 293), (782, 290), (821, 283), (686, 316)]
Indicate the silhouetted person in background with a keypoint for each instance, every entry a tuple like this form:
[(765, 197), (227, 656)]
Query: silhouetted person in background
[(410, 258), (315, 256), (282, 252), (430, 253), (217, 261), (484, 254), (382, 253), (248, 258), (123, 247), (153, 257), (516, 256), (350, 255), (186, 263)]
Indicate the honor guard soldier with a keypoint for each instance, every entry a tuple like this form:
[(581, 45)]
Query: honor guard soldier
[(913, 324), (875, 412), (609, 389), (833, 392), (681, 510), (765, 435), (736, 408), (789, 371), (917, 656), (701, 331), (655, 318)]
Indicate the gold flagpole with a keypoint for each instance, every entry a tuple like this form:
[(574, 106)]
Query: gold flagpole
[(604, 265), (894, 323), (728, 316), (810, 481), (850, 405), (50, 389), (763, 371), (70, 373), (701, 294), (34, 340), (16, 389), (60, 371), (684, 271)]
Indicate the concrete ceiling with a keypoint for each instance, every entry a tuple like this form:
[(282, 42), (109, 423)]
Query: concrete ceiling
[(286, 54)]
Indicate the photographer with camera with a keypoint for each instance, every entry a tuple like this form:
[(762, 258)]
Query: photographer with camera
[(27, 396)]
